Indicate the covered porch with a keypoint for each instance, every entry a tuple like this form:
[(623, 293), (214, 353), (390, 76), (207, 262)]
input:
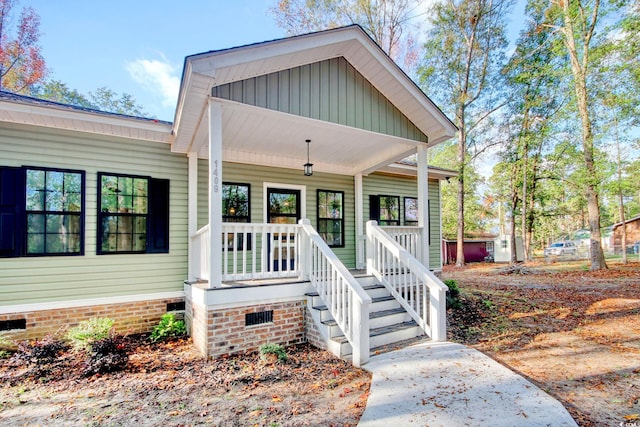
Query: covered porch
[(330, 101)]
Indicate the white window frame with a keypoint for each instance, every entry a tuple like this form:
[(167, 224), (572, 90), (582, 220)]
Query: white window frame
[(280, 186)]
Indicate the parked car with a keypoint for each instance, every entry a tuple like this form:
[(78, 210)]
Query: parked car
[(560, 249)]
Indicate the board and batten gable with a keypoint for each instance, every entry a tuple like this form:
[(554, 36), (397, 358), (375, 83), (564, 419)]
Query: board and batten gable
[(391, 185), (46, 279), (256, 176), (331, 90)]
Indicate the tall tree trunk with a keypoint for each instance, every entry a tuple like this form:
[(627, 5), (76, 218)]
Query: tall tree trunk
[(462, 145), (513, 256), (579, 68), (621, 200)]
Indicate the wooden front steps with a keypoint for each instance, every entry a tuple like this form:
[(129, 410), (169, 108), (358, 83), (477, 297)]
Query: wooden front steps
[(389, 323)]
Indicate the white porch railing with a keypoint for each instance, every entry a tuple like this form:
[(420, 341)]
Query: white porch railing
[(250, 251), (409, 238), (345, 298), (200, 259), (416, 288)]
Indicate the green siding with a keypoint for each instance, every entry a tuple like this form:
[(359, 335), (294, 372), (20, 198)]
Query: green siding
[(380, 184), (255, 176), (45, 279), (372, 184), (330, 90)]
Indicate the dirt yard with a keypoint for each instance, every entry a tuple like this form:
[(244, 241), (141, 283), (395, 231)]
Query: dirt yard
[(574, 333), (169, 385)]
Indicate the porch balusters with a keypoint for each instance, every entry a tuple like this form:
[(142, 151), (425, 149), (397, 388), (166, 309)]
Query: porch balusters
[(416, 288)]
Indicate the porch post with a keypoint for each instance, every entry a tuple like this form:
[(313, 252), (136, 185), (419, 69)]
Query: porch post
[(423, 202), (192, 209), (215, 194), (360, 238)]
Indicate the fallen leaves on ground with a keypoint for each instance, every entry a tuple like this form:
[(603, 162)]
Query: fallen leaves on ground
[(169, 382), (574, 332)]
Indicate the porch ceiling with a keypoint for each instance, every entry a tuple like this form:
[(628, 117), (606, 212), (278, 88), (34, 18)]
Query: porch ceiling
[(261, 136), (265, 137)]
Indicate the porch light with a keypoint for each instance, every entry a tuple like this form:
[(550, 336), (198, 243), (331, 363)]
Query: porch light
[(308, 167)]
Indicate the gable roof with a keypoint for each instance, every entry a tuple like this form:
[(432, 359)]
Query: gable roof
[(206, 70)]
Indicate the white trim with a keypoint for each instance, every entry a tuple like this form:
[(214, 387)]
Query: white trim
[(215, 193), (221, 298), (423, 202), (360, 235), (58, 305), (303, 196), (192, 200), (59, 117), (442, 249)]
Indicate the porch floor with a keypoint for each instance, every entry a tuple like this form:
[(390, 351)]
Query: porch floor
[(268, 282)]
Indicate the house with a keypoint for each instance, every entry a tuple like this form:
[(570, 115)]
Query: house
[(632, 226), (250, 212)]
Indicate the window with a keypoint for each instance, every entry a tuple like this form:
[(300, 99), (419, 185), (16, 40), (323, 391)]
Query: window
[(235, 208), (331, 217), (410, 211), (385, 209), (133, 214), (235, 202), (41, 212), (504, 244)]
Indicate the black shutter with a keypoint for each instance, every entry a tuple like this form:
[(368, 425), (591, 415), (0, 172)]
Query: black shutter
[(11, 209), (374, 208), (158, 225)]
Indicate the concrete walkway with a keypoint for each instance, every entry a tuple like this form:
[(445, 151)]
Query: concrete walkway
[(446, 384)]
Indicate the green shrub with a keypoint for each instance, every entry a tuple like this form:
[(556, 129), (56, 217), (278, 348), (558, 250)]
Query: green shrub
[(88, 331), (5, 345), (169, 326), (453, 294), (275, 349), (454, 290)]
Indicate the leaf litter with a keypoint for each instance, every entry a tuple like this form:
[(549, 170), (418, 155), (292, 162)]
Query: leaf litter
[(573, 332)]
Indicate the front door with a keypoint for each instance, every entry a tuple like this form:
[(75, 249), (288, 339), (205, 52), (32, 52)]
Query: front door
[(283, 207)]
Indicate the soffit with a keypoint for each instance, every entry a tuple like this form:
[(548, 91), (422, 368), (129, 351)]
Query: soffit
[(30, 112)]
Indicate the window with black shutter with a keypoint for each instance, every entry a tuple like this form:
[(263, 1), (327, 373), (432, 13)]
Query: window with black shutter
[(41, 211), (133, 214)]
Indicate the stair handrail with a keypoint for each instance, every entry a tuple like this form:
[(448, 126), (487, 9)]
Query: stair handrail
[(395, 267), (343, 295)]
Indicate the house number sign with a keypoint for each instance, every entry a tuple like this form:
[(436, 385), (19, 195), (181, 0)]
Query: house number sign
[(216, 179)]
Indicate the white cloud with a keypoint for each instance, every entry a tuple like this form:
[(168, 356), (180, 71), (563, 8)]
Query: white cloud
[(157, 76)]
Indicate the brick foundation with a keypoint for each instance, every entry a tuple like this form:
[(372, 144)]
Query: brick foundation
[(133, 317), (227, 333), (313, 334)]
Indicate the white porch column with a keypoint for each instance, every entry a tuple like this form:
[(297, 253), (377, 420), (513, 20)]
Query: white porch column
[(193, 208), (215, 194), (423, 202), (360, 238)]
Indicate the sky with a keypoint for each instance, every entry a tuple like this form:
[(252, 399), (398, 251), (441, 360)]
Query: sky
[(138, 46)]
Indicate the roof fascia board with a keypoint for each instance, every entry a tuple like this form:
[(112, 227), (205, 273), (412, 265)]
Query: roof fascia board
[(82, 116)]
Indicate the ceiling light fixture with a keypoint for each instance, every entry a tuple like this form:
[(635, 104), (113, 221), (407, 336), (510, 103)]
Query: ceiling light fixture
[(308, 167)]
